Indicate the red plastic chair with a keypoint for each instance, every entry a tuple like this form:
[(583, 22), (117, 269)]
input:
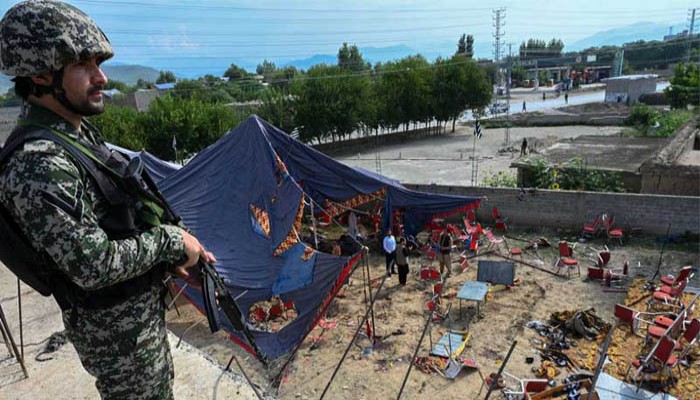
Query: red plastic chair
[(657, 362), (566, 259), (500, 221), (671, 297), (613, 233), (683, 274), (594, 228)]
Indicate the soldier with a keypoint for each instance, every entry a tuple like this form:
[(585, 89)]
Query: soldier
[(103, 241)]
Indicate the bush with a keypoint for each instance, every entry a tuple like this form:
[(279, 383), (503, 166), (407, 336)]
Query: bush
[(642, 116), (502, 180), (574, 175)]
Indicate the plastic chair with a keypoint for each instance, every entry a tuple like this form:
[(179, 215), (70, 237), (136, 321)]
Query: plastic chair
[(499, 220), (657, 331), (566, 260), (684, 273), (594, 228), (628, 316), (613, 233), (671, 297), (657, 362)]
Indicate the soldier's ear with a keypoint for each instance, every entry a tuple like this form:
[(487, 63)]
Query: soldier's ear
[(43, 79)]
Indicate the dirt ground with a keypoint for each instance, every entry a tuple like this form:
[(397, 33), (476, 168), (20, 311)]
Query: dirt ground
[(446, 160), (400, 319)]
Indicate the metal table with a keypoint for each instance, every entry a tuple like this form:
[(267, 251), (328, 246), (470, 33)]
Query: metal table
[(474, 291)]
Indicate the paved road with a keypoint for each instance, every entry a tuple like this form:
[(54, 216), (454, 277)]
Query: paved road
[(552, 101)]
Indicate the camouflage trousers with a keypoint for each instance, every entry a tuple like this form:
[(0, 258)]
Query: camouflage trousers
[(125, 347)]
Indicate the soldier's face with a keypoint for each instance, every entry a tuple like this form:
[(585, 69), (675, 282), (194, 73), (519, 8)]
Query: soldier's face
[(83, 82)]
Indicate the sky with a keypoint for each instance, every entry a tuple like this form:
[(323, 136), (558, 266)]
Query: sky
[(190, 34)]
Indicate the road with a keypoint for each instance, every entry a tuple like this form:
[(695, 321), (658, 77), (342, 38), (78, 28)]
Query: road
[(535, 103)]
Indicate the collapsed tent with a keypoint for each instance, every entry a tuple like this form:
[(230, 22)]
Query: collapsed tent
[(244, 198)]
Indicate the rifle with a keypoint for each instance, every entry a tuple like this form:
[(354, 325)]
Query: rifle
[(215, 295)]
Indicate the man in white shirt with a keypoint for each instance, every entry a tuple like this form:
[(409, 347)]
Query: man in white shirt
[(389, 246)]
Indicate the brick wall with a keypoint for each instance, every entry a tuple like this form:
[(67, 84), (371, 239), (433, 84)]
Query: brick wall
[(570, 210)]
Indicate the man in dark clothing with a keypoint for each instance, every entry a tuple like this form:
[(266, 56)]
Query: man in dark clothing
[(402, 261), (523, 147), (445, 259)]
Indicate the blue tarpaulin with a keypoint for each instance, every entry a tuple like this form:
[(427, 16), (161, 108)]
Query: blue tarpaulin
[(243, 198)]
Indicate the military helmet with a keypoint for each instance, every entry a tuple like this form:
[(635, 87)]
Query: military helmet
[(41, 36)]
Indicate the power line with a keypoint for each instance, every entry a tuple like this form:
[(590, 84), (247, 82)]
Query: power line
[(470, 10)]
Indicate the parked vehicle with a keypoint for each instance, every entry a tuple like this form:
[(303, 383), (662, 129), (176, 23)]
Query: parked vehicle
[(498, 108)]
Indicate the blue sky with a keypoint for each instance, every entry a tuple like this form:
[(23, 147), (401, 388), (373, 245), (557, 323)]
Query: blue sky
[(191, 34)]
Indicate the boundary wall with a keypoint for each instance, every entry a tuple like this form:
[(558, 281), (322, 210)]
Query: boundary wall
[(569, 210)]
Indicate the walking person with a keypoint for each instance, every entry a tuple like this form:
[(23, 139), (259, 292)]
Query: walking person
[(524, 106), (100, 242), (544, 96), (445, 242), (402, 260), (523, 147), (566, 98), (389, 247)]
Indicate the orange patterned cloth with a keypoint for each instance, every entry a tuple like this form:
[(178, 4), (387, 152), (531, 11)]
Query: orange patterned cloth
[(293, 236), (336, 208), (262, 217)]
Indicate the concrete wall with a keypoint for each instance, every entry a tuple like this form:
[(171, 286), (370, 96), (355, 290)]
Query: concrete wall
[(628, 90), (662, 174), (570, 210)]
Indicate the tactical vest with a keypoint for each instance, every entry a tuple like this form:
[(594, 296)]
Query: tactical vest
[(134, 205)]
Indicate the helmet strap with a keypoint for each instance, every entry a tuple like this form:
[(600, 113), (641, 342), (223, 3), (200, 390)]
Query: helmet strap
[(60, 94)]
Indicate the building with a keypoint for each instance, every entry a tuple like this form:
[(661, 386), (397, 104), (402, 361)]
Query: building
[(627, 88)]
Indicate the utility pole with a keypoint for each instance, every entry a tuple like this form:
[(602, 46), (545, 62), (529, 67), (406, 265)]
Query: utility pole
[(499, 21), (508, 83), (691, 16)]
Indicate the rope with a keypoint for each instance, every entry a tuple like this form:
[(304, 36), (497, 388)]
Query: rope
[(352, 340)]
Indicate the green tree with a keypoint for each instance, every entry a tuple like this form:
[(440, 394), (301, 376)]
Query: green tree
[(266, 68), (277, 108), (122, 126), (350, 58), (329, 103), (194, 123), (685, 86), (166, 77), (465, 46), (234, 73), (458, 86)]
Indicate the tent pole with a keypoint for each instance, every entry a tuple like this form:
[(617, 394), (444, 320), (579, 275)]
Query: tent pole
[(494, 381), (247, 378), (352, 340), (313, 222), (371, 298), (364, 280)]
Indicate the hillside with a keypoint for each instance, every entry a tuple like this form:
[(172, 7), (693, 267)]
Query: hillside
[(129, 74)]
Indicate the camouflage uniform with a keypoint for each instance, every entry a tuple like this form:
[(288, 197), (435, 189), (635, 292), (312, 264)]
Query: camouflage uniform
[(59, 207)]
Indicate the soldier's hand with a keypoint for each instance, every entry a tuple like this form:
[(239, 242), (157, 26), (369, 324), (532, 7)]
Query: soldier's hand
[(194, 251)]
